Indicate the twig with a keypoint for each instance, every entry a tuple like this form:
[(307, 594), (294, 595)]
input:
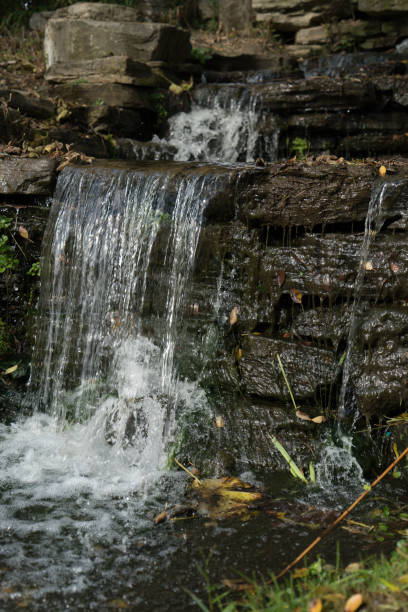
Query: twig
[(342, 516), (187, 470)]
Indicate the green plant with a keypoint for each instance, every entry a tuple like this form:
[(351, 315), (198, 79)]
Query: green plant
[(158, 100), (98, 102), (7, 259), (299, 146), (201, 54), (35, 269), (80, 81)]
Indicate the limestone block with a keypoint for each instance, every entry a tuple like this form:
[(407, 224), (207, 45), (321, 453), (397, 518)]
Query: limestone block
[(310, 36), (87, 31), (291, 22), (20, 175), (234, 15), (113, 69), (383, 7)]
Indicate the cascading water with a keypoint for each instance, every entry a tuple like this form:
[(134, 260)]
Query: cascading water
[(222, 125), (338, 466)]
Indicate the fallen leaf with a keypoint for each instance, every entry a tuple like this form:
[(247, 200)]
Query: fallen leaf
[(302, 415), (389, 585), (118, 603), (238, 354), (237, 584), (368, 265), (176, 89), (315, 605), (23, 232), (160, 518), (296, 296), (219, 421), (353, 567), (281, 277), (382, 171), (63, 165), (394, 267), (353, 603), (234, 315), (319, 419), (240, 496), (10, 370)]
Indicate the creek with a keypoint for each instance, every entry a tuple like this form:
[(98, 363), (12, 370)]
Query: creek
[(128, 372)]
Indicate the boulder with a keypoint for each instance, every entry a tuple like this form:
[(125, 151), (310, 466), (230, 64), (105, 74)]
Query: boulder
[(383, 8), (235, 15), (27, 176), (39, 20), (112, 69), (309, 36), (87, 31)]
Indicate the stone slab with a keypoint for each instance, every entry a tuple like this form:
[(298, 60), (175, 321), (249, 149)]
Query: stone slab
[(27, 176)]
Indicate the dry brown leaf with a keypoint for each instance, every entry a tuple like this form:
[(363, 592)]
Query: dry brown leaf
[(394, 267), (176, 89), (315, 605), (368, 265), (382, 171), (353, 603), (302, 415), (234, 315), (160, 518), (281, 277), (219, 421), (23, 232), (63, 165), (353, 567)]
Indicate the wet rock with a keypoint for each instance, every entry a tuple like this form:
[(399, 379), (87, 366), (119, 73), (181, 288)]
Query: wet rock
[(309, 194), (104, 94), (323, 325), (27, 176), (306, 367), (96, 30), (384, 323), (381, 383)]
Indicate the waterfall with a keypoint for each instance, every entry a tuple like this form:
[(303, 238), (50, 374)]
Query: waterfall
[(119, 251), (222, 125)]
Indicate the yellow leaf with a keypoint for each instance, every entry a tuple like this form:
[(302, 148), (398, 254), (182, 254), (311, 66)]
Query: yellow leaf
[(238, 354), (403, 579), (10, 370), (234, 315), (240, 496), (63, 114), (368, 265), (176, 89), (219, 421), (382, 171), (315, 605), (23, 232), (118, 603), (160, 518), (390, 585), (395, 449), (353, 603), (302, 415), (187, 85), (319, 419), (296, 296)]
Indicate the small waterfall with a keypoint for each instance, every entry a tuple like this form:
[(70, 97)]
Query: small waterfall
[(120, 247), (222, 125)]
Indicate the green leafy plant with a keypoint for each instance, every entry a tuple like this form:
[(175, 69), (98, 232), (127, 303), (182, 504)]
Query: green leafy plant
[(158, 99), (299, 147), (201, 54), (7, 259), (35, 269)]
